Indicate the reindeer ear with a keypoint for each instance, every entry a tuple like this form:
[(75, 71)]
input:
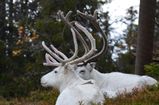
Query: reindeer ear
[(75, 66), (71, 67), (93, 64), (90, 66)]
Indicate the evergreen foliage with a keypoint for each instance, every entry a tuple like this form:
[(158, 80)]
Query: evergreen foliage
[(24, 24)]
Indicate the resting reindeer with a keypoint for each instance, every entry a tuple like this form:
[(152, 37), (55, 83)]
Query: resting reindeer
[(73, 89), (111, 84), (114, 83)]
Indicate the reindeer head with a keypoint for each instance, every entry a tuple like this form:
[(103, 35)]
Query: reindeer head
[(65, 66), (58, 76), (84, 71)]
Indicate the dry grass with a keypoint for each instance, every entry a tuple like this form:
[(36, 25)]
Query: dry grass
[(44, 97), (148, 96)]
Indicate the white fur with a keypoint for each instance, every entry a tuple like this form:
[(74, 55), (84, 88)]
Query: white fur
[(73, 89), (112, 84)]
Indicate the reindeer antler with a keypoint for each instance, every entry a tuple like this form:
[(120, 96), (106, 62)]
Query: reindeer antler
[(93, 21), (53, 59), (93, 46), (65, 19), (57, 58)]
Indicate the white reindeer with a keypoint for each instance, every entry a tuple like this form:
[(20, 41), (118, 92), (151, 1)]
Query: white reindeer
[(115, 83), (111, 84), (73, 89)]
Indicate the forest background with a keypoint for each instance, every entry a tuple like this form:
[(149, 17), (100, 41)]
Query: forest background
[(24, 24)]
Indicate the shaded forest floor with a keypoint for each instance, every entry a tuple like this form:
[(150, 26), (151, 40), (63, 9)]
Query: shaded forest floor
[(148, 96)]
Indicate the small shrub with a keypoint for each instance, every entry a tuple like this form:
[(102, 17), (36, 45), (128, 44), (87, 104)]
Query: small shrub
[(152, 70)]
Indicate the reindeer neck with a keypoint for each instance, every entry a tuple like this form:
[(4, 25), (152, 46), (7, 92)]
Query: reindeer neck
[(70, 79), (97, 76)]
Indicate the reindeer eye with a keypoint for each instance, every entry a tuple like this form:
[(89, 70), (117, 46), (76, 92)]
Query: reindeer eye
[(82, 71), (55, 71)]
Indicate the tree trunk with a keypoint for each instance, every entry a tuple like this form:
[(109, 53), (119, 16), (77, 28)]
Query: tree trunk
[(2, 19), (145, 35)]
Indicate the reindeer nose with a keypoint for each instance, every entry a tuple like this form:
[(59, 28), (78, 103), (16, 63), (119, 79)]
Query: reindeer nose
[(43, 82)]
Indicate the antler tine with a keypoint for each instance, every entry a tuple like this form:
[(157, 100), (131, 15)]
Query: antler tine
[(93, 20), (66, 21), (52, 46), (93, 45), (76, 47), (50, 61), (58, 52), (50, 52), (68, 15)]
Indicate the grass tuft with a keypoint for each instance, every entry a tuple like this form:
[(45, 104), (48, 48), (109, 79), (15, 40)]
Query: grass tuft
[(146, 96)]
